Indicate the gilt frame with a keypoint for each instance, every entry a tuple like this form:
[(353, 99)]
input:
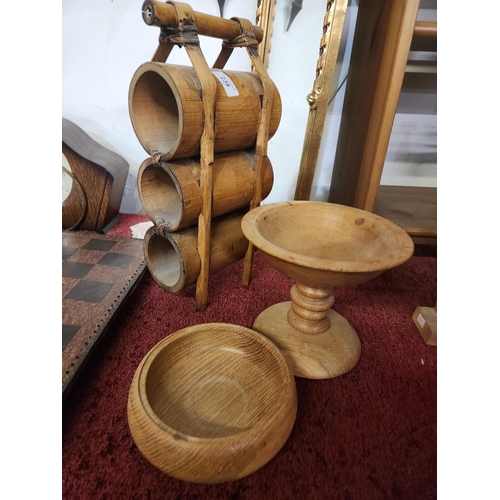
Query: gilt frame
[(319, 98)]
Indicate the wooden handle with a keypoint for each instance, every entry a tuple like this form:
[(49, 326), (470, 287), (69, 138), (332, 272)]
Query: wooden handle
[(155, 13), (425, 28)]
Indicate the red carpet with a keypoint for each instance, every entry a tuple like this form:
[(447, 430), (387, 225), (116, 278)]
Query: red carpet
[(370, 434)]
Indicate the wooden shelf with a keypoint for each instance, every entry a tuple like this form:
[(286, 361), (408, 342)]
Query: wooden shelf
[(412, 208)]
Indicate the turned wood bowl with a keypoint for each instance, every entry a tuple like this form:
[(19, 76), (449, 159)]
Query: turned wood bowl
[(321, 246), (325, 245), (212, 403)]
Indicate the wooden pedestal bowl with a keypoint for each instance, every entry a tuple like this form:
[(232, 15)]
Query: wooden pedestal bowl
[(320, 246), (212, 403)]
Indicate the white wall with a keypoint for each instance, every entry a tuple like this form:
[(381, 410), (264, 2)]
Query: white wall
[(292, 65), (103, 43)]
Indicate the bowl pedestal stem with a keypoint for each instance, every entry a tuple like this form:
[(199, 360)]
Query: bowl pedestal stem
[(317, 342), (309, 311)]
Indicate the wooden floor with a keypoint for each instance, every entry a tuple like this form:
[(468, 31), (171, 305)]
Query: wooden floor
[(413, 208)]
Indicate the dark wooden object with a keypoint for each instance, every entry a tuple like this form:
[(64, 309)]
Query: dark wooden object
[(102, 175), (99, 272), (74, 206)]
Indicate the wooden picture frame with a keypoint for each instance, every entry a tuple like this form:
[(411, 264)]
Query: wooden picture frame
[(319, 97), (264, 18)]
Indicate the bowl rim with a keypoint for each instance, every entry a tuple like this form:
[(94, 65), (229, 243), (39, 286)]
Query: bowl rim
[(402, 254), (160, 69), (152, 234), (288, 392)]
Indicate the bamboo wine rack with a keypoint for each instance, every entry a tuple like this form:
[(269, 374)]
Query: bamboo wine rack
[(206, 132)]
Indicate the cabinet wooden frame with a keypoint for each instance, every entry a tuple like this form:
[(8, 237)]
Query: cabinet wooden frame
[(386, 31)]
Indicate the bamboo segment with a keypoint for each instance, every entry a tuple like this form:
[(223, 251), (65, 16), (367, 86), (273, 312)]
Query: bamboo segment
[(166, 110), (261, 148), (208, 96), (171, 196), (265, 19), (174, 261), (162, 14)]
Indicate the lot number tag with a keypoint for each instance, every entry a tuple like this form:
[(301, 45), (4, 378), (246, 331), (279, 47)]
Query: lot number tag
[(226, 82)]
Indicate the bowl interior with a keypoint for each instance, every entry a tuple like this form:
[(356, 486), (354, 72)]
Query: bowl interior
[(159, 194), (155, 113), (216, 382), (328, 236), (164, 262)]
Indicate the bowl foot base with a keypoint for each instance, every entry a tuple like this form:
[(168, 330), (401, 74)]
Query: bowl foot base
[(311, 355)]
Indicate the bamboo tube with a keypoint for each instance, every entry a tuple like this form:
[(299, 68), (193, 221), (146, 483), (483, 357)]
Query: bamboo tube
[(160, 14), (166, 110), (174, 261), (260, 148), (171, 196)]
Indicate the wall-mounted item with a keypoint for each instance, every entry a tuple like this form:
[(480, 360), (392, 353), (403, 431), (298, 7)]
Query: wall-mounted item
[(99, 176), (264, 18), (319, 97), (221, 7), (295, 8)]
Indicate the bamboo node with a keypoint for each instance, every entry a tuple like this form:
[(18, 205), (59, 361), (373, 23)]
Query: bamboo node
[(162, 228), (246, 38), (156, 157), (180, 35)]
